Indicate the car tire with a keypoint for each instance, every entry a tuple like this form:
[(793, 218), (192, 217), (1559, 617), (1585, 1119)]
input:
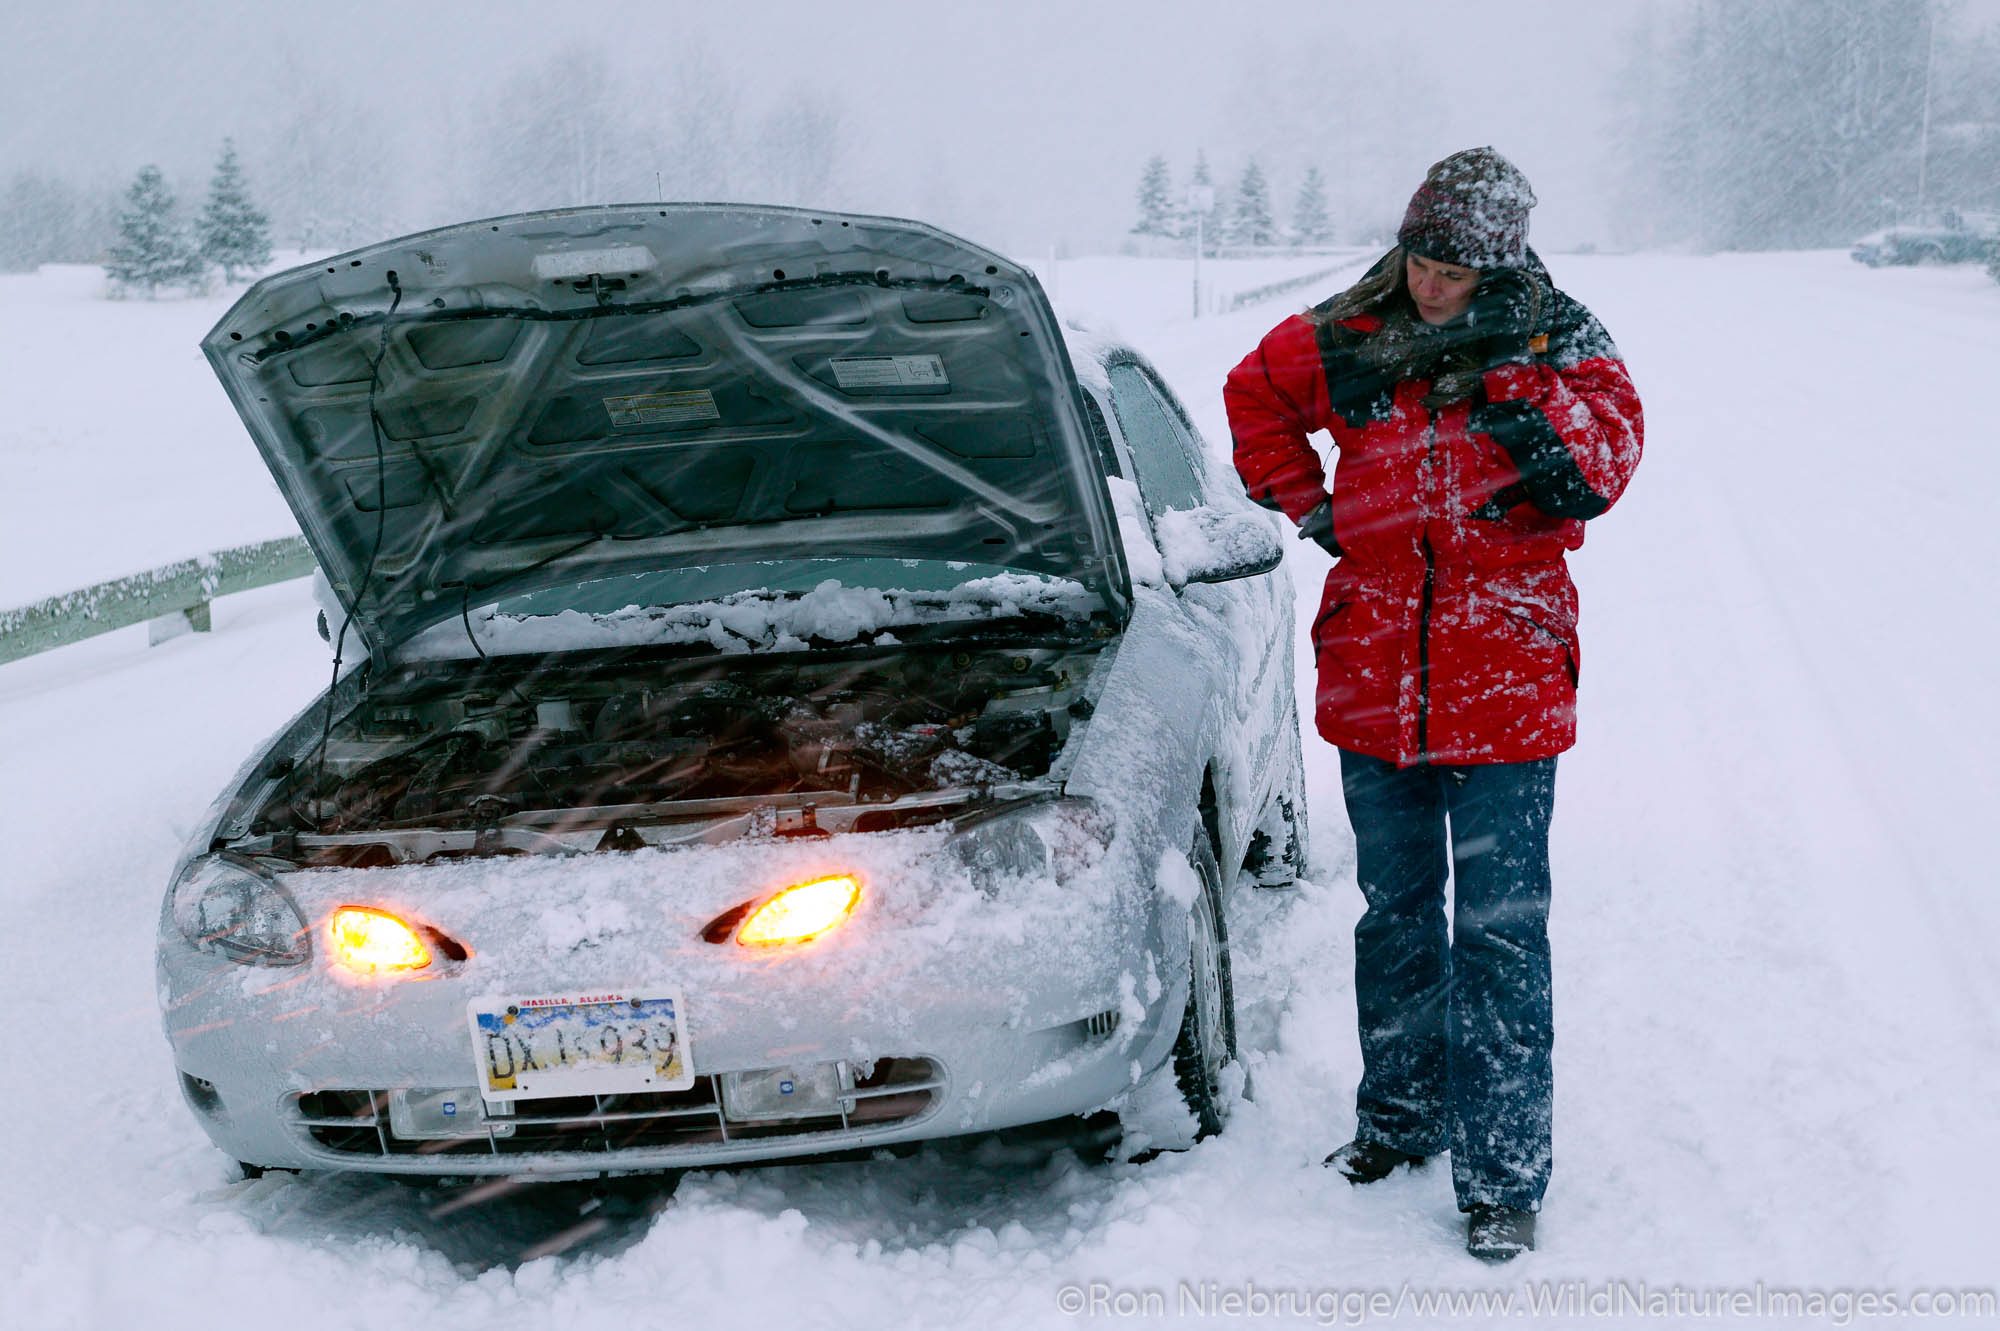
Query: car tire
[(1207, 1042)]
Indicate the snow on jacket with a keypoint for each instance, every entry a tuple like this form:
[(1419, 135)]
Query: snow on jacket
[(1447, 631)]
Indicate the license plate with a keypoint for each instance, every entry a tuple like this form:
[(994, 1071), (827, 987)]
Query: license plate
[(579, 1044)]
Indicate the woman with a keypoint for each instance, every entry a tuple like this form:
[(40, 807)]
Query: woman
[(1481, 416)]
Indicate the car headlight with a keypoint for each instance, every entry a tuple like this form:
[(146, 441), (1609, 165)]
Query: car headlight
[(1048, 839), (796, 914), (230, 905), (801, 912), (369, 940)]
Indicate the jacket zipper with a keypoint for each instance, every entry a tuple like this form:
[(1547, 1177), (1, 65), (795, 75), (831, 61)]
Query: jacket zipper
[(1424, 610), (1424, 657)]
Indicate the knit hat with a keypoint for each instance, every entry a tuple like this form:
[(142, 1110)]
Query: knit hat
[(1471, 211)]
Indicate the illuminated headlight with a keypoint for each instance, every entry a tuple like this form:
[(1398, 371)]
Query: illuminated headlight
[(801, 912), (798, 914), (368, 940), (1052, 839), (230, 905)]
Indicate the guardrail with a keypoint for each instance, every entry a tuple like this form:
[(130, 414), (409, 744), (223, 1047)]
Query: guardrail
[(172, 600), (1271, 291)]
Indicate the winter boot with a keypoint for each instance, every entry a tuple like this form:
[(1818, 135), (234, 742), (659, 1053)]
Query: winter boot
[(1499, 1233), (1364, 1161)]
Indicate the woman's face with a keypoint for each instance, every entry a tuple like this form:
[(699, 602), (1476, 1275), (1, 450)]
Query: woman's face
[(1441, 290)]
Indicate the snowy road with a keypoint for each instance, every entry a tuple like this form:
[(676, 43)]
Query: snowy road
[(1778, 1048)]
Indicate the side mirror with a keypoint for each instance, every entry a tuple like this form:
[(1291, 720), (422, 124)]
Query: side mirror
[(1216, 545)]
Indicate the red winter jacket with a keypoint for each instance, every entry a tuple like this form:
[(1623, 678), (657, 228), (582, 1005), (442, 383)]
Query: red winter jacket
[(1447, 632)]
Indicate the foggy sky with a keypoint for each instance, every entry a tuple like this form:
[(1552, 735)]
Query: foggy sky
[(1022, 124)]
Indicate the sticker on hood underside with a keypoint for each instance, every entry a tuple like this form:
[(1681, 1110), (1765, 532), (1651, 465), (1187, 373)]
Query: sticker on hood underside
[(663, 408), (852, 372)]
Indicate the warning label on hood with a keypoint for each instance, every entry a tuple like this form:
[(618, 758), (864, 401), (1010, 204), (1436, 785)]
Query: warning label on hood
[(891, 372), (663, 408)]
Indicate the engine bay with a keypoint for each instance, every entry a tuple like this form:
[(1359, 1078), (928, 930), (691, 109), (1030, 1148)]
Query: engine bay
[(558, 744)]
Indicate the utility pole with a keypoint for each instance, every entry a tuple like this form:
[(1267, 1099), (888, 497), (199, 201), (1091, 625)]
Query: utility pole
[(1924, 133), (1200, 199)]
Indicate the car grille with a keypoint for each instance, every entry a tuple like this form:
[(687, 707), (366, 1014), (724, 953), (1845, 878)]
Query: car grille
[(356, 1122)]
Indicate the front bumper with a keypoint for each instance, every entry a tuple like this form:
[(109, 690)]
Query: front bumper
[(946, 1016)]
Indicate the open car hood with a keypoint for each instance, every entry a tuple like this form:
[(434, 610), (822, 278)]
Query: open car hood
[(551, 399)]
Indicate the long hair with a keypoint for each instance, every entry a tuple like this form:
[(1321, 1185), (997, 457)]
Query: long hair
[(1383, 286), (1406, 347)]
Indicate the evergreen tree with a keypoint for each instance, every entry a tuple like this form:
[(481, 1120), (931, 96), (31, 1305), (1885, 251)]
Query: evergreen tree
[(153, 249), (1252, 223), (234, 234), (1310, 222), (1211, 222), (1156, 200)]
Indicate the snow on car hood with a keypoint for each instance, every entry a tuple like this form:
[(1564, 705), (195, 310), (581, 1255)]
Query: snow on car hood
[(563, 398), (752, 620)]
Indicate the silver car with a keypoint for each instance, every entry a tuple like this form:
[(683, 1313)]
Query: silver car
[(789, 697)]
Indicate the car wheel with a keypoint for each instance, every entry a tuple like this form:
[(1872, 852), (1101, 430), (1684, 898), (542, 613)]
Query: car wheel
[(1207, 1042)]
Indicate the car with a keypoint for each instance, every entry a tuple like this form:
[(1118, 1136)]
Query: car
[(1954, 238), (791, 696)]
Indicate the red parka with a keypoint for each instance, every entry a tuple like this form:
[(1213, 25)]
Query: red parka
[(1447, 632)]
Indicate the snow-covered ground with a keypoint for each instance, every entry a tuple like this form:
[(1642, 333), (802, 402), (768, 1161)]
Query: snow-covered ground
[(1779, 1031)]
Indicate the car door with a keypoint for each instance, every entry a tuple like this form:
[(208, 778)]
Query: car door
[(1248, 620)]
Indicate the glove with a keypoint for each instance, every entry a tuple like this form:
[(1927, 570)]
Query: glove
[(1317, 527), (1502, 315), (1496, 508)]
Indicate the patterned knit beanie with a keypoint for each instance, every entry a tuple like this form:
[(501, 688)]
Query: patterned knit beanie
[(1471, 212)]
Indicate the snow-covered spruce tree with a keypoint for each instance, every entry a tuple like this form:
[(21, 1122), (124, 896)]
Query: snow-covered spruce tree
[(234, 233), (1211, 221), (153, 249), (1252, 223), (1310, 223), (1156, 200)]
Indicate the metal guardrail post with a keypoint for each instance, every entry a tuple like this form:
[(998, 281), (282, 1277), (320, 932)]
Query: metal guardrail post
[(178, 594)]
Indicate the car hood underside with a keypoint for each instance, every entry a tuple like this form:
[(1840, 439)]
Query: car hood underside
[(549, 399)]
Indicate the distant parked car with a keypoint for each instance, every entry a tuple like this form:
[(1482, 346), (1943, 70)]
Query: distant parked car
[(812, 703), (1954, 238)]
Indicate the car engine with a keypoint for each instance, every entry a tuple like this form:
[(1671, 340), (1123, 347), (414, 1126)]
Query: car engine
[(465, 750)]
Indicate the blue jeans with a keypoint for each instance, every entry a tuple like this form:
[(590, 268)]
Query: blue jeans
[(1456, 1031)]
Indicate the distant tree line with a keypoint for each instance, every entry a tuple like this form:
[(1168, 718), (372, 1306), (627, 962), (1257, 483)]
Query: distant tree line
[(1735, 125), (142, 239), (47, 219), (156, 248), (1242, 218), (330, 171), (1800, 123)]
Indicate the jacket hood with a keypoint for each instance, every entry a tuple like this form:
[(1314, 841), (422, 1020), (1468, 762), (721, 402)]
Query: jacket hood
[(556, 399)]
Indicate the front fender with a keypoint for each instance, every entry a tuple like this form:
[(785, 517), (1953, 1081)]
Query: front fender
[(1157, 722)]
